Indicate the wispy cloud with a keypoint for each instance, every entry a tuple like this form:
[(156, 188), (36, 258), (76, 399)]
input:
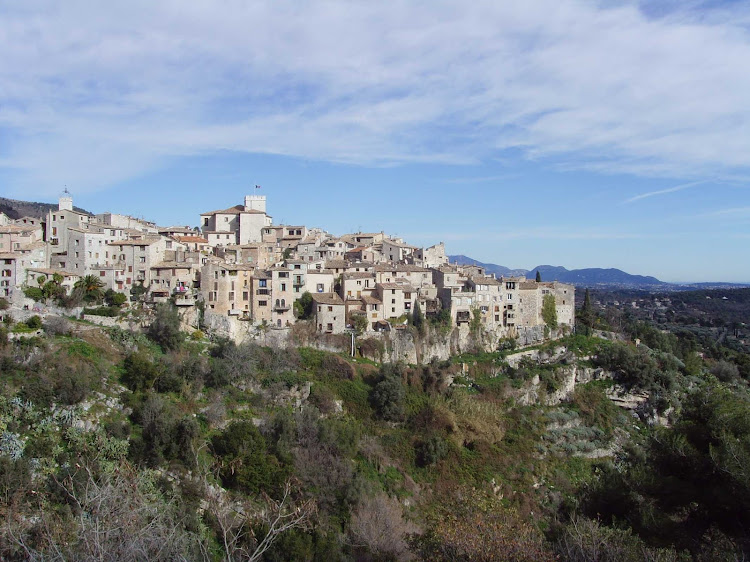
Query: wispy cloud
[(664, 191), (96, 93)]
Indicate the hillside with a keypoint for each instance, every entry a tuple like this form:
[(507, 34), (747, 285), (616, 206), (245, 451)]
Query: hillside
[(582, 277), (117, 444), (16, 209)]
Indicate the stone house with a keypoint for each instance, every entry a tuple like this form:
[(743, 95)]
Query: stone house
[(330, 313), (397, 299), (241, 224), (396, 251), (59, 221), (282, 311), (14, 238)]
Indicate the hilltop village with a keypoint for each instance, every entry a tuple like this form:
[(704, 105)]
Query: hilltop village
[(239, 268)]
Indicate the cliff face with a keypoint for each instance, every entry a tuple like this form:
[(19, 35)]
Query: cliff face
[(405, 345)]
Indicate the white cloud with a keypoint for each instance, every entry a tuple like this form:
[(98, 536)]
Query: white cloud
[(94, 93)]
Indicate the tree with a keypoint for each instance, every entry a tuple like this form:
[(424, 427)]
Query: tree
[(359, 322), (165, 329), (90, 287), (549, 311), (417, 318), (538, 276), (113, 298), (586, 316), (303, 306), (389, 398)]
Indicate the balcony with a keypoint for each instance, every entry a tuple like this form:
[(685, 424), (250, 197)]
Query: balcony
[(281, 307), (185, 300)]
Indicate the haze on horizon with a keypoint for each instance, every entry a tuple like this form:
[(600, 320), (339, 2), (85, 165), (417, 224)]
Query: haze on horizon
[(546, 132)]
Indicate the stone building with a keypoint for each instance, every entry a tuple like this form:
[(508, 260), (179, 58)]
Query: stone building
[(330, 313)]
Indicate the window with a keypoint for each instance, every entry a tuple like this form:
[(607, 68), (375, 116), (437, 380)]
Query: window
[(262, 282), (330, 309), (101, 274), (262, 303), (283, 286), (231, 295)]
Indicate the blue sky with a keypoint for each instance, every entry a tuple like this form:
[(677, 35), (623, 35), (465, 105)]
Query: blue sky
[(558, 132)]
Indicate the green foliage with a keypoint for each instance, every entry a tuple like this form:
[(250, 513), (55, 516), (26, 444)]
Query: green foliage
[(35, 293), (549, 311), (303, 306), (417, 318), (595, 408), (137, 291), (34, 323), (388, 398), (4, 304), (165, 327), (244, 463), (475, 324), (538, 276), (360, 323), (586, 316), (430, 450), (90, 288), (689, 479), (113, 298), (139, 372), (108, 311)]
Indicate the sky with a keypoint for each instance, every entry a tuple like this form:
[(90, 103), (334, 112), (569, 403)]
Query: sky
[(560, 132)]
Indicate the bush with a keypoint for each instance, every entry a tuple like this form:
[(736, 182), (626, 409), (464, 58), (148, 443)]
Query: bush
[(725, 371), (139, 373), (389, 399), (113, 298), (34, 323), (431, 450), (244, 462), (107, 311), (165, 329), (34, 293)]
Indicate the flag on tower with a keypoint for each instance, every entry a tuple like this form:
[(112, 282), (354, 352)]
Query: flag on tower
[(257, 187)]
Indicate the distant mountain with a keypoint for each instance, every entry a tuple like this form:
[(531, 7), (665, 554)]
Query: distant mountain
[(16, 209), (585, 277), (490, 268)]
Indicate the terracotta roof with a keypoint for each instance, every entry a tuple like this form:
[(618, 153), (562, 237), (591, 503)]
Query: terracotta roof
[(336, 264), (327, 298), (527, 285), (359, 275), (367, 299)]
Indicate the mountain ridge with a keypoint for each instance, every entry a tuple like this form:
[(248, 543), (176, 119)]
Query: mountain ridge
[(585, 276)]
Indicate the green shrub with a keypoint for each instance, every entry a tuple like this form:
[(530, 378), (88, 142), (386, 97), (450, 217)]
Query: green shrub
[(430, 451), (389, 399), (244, 461), (107, 311), (34, 323)]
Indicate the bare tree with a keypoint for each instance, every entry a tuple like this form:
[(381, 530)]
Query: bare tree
[(379, 526), (236, 523)]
